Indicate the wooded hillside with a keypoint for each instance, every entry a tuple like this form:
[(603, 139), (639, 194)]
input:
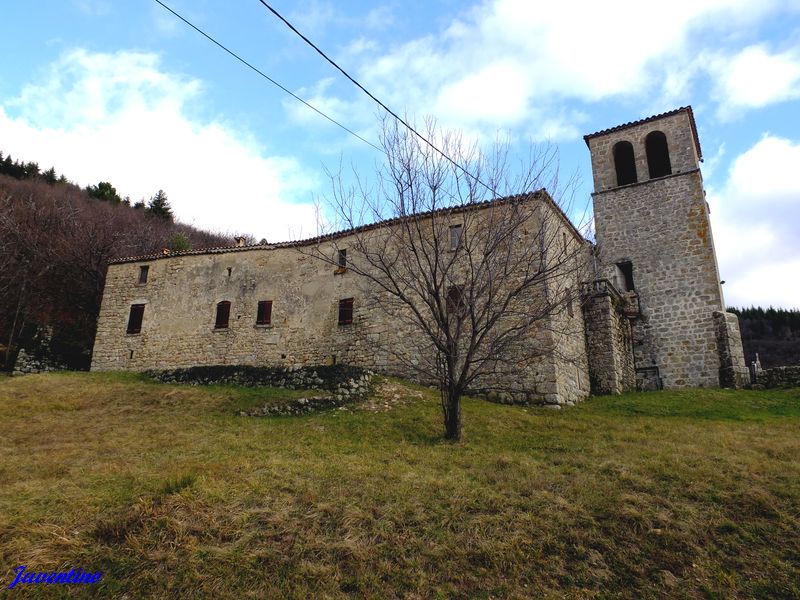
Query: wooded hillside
[(773, 333), (55, 242)]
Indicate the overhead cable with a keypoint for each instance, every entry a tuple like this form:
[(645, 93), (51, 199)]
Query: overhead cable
[(267, 77), (372, 96)]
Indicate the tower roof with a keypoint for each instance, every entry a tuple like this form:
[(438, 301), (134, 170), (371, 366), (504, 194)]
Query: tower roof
[(686, 109)]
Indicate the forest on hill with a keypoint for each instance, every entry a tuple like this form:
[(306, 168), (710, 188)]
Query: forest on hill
[(55, 243), (772, 333)]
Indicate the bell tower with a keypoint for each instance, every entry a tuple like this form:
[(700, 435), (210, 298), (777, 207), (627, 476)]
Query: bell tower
[(654, 245)]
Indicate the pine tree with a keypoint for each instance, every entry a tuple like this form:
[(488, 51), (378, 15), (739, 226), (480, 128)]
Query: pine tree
[(50, 175), (159, 206)]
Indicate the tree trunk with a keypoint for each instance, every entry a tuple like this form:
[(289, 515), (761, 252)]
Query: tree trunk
[(14, 326), (452, 416)]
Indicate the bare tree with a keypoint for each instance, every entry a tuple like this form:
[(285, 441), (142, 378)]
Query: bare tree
[(469, 252), (55, 243)]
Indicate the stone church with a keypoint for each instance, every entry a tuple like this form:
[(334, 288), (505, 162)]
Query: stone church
[(651, 311)]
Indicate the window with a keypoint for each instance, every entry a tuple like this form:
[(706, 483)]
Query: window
[(624, 163), (223, 315), (342, 258), (143, 271), (264, 314), (570, 308), (135, 318), (626, 269), (345, 311), (455, 236), (455, 300), (655, 145)]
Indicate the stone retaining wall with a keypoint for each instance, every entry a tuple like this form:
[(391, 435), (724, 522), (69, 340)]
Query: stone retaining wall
[(778, 377), (339, 384), (29, 363)]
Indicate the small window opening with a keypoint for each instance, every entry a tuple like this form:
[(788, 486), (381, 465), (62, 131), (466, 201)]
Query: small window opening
[(264, 314), (223, 315), (624, 163), (333, 359), (655, 145), (131, 356), (143, 271), (455, 300), (455, 236), (570, 308), (626, 268), (345, 311), (229, 271), (135, 318), (342, 258), (564, 239)]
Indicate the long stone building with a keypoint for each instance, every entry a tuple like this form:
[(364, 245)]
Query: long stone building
[(641, 308)]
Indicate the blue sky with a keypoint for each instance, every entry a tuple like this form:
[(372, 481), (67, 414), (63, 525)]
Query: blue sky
[(123, 91)]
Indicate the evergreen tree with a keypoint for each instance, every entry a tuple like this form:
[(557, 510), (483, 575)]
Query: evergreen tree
[(159, 206), (103, 191), (50, 175), (30, 170)]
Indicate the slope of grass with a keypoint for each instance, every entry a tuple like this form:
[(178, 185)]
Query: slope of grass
[(170, 494)]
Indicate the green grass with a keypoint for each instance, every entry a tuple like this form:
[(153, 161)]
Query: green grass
[(170, 494)]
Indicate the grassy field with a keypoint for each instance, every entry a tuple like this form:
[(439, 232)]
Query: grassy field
[(169, 493)]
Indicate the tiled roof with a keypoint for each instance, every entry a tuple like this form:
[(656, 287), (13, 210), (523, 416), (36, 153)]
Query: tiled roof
[(687, 109), (315, 240)]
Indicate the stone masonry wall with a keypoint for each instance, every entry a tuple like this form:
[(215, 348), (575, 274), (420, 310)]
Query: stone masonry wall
[(733, 371), (567, 327), (182, 292), (680, 141), (778, 377), (662, 228), (608, 341)]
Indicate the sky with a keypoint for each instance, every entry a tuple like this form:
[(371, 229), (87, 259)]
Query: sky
[(123, 91)]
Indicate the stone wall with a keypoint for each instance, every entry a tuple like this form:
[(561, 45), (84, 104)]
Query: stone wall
[(30, 363), (678, 128), (778, 377), (661, 227), (182, 292), (733, 372), (329, 386), (608, 340), (566, 324)]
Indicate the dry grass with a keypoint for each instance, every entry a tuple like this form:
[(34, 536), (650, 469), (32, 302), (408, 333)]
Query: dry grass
[(170, 494)]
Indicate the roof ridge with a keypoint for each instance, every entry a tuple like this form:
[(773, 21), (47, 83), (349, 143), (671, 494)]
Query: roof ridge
[(332, 235)]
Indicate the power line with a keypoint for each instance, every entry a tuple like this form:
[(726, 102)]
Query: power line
[(267, 77), (368, 93)]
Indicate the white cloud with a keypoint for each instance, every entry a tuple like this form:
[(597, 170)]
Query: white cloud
[(119, 118), (509, 63), (755, 217), (754, 78)]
